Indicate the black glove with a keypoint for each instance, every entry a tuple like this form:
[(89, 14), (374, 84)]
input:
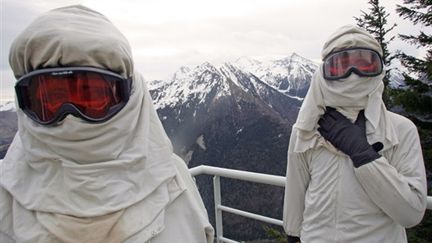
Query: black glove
[(293, 239), (347, 137)]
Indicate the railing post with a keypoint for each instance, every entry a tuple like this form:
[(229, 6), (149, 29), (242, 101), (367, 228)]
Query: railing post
[(218, 212)]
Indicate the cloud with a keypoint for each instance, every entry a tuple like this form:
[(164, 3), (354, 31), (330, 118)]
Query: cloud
[(11, 23), (167, 34), (7, 82), (225, 30)]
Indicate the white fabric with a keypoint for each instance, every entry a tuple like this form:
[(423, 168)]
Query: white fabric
[(116, 181), (186, 217), (326, 199), (183, 220)]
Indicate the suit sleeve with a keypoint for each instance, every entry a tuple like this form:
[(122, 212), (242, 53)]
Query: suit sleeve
[(196, 200), (297, 180), (397, 184)]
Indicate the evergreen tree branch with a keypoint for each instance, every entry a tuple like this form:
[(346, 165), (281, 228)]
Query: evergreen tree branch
[(415, 16), (421, 40)]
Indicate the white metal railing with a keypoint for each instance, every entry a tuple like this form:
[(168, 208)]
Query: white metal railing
[(218, 172), (240, 175)]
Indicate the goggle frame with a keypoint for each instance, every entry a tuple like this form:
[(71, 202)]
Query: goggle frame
[(351, 69), (23, 83)]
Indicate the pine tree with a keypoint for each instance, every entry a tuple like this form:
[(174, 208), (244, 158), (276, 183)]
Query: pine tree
[(419, 80), (375, 22), (419, 12)]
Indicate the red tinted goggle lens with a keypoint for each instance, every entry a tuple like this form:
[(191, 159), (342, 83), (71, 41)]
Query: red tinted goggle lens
[(364, 62), (48, 95)]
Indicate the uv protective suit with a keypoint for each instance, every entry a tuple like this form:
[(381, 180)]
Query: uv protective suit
[(116, 181), (327, 199)]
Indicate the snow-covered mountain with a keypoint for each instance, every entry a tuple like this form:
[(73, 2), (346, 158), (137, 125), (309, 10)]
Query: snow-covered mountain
[(224, 116), (192, 93), (271, 82), (188, 101), (290, 75), (397, 80), (187, 84)]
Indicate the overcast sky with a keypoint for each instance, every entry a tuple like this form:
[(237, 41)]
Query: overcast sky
[(167, 34)]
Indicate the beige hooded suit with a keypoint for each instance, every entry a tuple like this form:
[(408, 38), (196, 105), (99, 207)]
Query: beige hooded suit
[(116, 181), (326, 198)]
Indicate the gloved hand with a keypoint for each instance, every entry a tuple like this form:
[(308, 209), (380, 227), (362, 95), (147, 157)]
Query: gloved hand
[(347, 137), (293, 239)]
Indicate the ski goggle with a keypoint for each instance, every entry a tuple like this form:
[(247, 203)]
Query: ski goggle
[(364, 62), (48, 95)]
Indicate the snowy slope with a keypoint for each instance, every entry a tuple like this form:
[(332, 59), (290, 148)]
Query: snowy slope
[(397, 80), (288, 75), (187, 84)]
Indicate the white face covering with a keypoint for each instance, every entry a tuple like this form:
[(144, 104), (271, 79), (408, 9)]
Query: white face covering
[(352, 94), (348, 96)]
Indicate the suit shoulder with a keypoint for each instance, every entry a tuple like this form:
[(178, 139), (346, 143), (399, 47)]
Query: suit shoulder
[(401, 122)]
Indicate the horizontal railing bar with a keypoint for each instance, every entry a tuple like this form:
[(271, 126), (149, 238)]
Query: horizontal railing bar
[(252, 176), (240, 175), (250, 215), (223, 239)]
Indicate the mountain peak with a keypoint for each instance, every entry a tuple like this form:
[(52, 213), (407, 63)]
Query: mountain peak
[(184, 69), (206, 65), (295, 55), (186, 73), (289, 75), (181, 73), (247, 61)]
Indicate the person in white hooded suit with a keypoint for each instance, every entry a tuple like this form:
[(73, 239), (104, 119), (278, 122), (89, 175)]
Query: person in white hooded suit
[(355, 170), (91, 161)]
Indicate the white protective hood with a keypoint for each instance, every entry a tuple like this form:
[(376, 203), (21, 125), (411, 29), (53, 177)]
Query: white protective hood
[(78, 169), (348, 96)]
